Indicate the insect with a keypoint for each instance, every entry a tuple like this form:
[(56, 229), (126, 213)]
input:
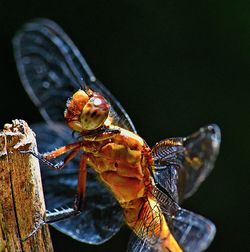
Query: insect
[(112, 170)]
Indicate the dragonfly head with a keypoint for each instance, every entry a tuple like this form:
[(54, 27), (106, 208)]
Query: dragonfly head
[(86, 111)]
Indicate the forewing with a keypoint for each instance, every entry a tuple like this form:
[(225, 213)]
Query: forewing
[(193, 232), (182, 164), (101, 217), (52, 68)]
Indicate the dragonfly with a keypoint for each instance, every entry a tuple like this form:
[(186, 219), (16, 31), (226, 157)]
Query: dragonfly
[(105, 172)]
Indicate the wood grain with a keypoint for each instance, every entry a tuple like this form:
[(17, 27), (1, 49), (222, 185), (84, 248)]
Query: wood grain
[(22, 204)]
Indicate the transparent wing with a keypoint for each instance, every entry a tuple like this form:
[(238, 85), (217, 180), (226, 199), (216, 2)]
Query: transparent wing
[(101, 217), (137, 244), (193, 232), (182, 164), (52, 68), (148, 227)]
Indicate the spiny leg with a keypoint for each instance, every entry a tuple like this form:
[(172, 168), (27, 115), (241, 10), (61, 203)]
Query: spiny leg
[(74, 148)]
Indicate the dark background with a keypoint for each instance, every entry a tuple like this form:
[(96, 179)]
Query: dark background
[(174, 67)]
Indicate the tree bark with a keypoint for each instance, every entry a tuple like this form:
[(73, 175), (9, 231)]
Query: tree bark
[(22, 204)]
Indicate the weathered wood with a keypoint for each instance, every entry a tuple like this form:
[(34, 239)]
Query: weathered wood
[(22, 204)]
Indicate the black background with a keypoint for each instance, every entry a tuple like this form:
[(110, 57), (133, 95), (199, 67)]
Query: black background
[(174, 67)]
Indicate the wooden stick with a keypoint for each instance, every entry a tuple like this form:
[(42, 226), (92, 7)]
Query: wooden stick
[(22, 204)]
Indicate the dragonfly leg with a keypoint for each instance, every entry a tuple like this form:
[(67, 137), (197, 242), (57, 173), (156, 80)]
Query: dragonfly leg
[(62, 150), (74, 148), (60, 214), (60, 165), (81, 186), (63, 213), (51, 217)]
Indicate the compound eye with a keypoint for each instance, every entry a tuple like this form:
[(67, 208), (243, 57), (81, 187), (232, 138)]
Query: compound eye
[(94, 113), (74, 109)]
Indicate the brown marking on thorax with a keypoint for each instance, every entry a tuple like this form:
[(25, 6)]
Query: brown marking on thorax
[(123, 164)]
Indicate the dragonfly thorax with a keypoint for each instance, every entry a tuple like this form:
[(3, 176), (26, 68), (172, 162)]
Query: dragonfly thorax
[(86, 111)]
